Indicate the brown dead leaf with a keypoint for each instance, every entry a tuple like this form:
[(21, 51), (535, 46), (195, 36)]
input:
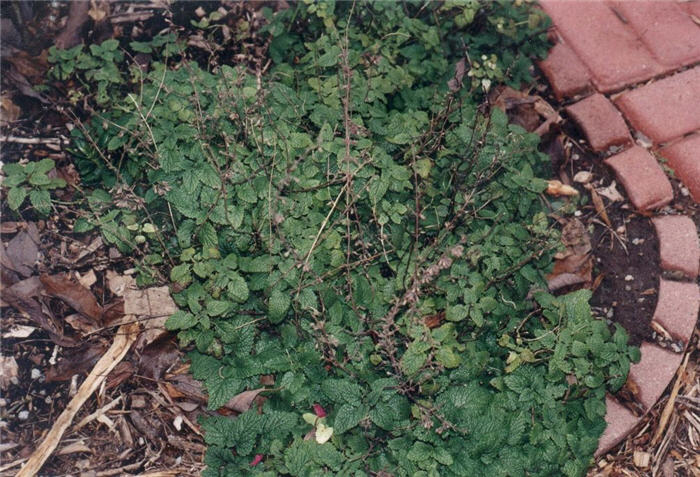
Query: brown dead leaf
[(456, 82), (9, 227), (23, 249), (557, 189), (8, 371), (241, 402), (575, 266), (112, 312), (74, 294), (575, 237), (157, 357), (98, 11), (9, 111), (187, 386), (172, 391), (119, 374), (628, 396), (433, 321), (531, 112), (88, 279), (31, 67), (78, 361), (569, 271), (563, 280), (119, 284), (611, 193), (598, 204), (18, 331), (24, 297), (152, 307), (79, 323)]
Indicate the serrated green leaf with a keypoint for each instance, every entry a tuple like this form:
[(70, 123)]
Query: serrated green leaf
[(15, 197), (447, 357), (180, 320), (40, 200), (207, 236), (217, 307), (237, 287), (181, 274), (348, 416), (278, 304)]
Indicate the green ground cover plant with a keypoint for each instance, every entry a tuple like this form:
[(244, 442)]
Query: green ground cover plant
[(360, 228)]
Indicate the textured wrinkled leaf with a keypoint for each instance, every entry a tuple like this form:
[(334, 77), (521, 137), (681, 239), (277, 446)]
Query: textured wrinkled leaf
[(15, 197), (278, 305), (180, 320)]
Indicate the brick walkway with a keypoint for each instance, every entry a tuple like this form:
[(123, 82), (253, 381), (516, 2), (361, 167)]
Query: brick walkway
[(629, 73)]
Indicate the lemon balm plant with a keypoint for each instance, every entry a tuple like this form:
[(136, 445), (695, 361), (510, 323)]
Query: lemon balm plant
[(359, 228)]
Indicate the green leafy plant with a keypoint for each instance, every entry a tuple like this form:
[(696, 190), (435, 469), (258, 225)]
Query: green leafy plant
[(360, 228), (30, 180)]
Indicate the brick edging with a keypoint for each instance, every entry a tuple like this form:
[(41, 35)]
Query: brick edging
[(651, 56)]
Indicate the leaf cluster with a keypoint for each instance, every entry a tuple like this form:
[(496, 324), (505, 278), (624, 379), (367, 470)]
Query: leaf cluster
[(368, 237), (31, 180)]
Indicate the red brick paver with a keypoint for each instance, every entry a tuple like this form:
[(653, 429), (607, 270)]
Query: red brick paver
[(692, 8), (620, 422), (609, 48), (565, 72), (645, 182), (616, 45), (602, 124), (684, 159), (665, 29), (665, 109), (677, 308), (653, 372), (678, 244)]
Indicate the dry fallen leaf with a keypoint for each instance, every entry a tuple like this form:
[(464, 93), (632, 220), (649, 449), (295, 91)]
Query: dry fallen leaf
[(118, 284), (152, 306), (88, 279), (8, 371), (598, 204), (575, 266), (557, 189), (641, 459), (575, 237), (433, 321), (9, 111), (76, 362), (241, 402), (611, 193), (98, 11), (18, 331), (74, 294), (583, 177), (24, 297), (23, 249), (157, 357)]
